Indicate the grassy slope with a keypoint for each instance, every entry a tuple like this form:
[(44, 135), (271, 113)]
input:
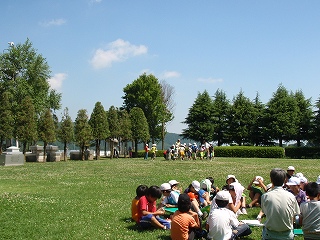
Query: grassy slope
[(91, 199)]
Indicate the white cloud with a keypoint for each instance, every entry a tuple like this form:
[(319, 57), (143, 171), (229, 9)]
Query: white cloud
[(56, 81), (171, 74), (53, 22), (95, 1), (210, 80), (117, 51)]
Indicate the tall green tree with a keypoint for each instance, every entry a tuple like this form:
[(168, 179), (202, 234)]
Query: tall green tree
[(6, 118), (100, 127), (282, 110), (24, 72), (46, 130), (26, 123), (257, 134), (82, 131), (145, 93), (125, 128), (305, 116), (220, 114), (199, 119), (66, 131), (315, 136), (139, 127), (114, 126), (241, 119)]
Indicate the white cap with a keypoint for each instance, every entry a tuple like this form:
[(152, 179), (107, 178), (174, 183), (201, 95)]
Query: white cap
[(165, 186), (303, 179), (318, 180), (291, 168), (231, 176), (223, 195), (299, 175), (257, 178), (173, 182), (196, 185), (154, 145), (293, 181)]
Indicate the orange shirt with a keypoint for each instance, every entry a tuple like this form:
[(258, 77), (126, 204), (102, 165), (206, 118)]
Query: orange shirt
[(181, 224), (134, 209)]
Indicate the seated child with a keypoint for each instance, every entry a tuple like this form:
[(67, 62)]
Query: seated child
[(197, 197), (256, 188), (230, 179), (222, 223), (214, 189), (170, 197), (294, 188), (184, 221), (140, 191), (310, 212), (174, 186), (148, 215)]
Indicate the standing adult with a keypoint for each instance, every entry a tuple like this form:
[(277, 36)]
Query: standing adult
[(279, 206)]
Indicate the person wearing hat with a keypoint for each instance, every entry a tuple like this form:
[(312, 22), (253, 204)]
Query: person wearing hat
[(290, 172), (146, 151), (294, 188), (232, 179), (174, 186), (153, 151), (170, 197), (280, 207), (184, 221), (223, 223), (197, 196), (256, 188)]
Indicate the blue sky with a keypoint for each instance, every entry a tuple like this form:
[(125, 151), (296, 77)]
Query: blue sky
[(96, 47)]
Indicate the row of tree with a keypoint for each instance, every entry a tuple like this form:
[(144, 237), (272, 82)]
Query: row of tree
[(28, 105), (287, 116)]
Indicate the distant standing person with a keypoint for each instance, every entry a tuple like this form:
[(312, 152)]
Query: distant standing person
[(146, 151), (279, 206), (211, 152)]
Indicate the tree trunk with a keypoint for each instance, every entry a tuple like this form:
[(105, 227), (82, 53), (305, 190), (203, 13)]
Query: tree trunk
[(97, 149), (45, 151), (65, 151), (280, 141), (163, 136), (298, 143)]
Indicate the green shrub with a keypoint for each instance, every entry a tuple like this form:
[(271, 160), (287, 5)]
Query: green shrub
[(249, 152), (303, 152)]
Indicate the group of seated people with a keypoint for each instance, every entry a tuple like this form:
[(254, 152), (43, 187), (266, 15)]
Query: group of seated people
[(203, 210)]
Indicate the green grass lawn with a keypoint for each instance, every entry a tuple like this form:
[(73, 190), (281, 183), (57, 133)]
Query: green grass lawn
[(91, 199)]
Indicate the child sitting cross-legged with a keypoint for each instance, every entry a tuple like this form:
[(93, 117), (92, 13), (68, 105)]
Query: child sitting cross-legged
[(222, 223), (170, 197), (140, 191), (184, 221), (148, 215)]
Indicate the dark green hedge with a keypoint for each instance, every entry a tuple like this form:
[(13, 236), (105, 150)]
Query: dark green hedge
[(302, 152), (249, 152)]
